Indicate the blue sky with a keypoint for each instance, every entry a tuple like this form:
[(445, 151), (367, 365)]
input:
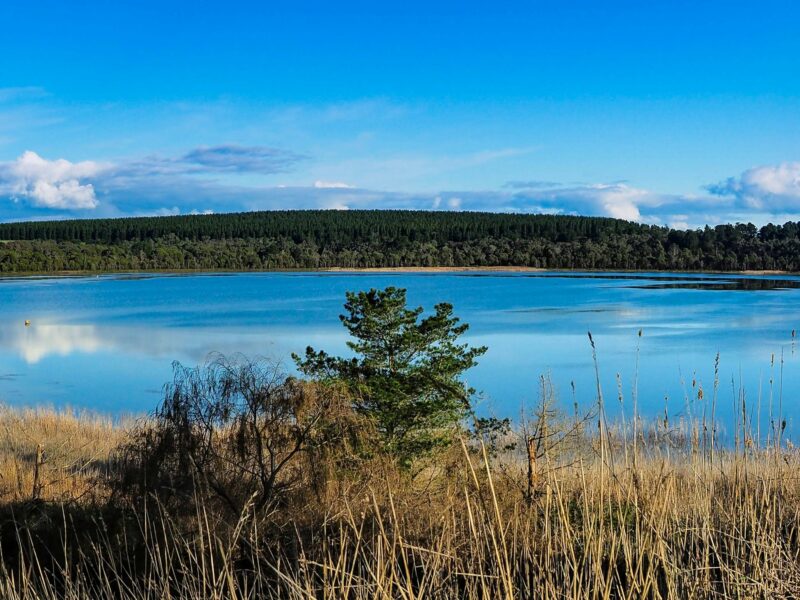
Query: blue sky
[(677, 113)]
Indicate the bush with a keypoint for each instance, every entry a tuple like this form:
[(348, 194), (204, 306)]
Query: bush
[(236, 433)]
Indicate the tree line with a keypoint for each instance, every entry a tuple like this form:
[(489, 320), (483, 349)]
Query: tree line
[(364, 239), (324, 227)]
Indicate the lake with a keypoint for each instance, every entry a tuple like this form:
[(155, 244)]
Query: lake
[(106, 343)]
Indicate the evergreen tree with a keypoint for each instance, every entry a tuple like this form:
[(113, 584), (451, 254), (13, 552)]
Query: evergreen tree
[(406, 372)]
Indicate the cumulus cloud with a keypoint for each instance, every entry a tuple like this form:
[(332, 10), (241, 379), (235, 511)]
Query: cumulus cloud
[(60, 184), (618, 200), (624, 201), (51, 183), (772, 188), (679, 222), (209, 179), (161, 186)]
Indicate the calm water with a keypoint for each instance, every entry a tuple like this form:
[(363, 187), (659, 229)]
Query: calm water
[(107, 343)]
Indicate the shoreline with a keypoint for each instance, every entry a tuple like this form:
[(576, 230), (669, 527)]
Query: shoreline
[(409, 270), (512, 269), (518, 269)]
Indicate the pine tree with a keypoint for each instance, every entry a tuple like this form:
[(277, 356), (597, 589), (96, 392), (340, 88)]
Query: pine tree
[(406, 373)]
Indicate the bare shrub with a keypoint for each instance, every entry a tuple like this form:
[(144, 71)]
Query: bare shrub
[(235, 434)]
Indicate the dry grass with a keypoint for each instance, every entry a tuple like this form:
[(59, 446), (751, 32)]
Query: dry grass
[(652, 520), (53, 455)]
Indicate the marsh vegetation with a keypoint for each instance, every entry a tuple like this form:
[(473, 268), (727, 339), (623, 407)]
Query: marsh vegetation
[(371, 477)]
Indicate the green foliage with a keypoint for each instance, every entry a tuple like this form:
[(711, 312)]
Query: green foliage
[(327, 228), (495, 434), (372, 238), (406, 372)]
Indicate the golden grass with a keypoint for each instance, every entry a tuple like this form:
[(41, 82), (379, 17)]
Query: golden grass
[(53, 455), (669, 525)]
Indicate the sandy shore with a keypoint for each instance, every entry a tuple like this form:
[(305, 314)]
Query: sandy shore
[(532, 269), (764, 272), (432, 269)]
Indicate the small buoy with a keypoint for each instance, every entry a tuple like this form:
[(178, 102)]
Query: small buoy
[(27, 323)]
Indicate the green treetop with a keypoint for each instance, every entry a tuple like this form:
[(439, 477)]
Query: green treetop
[(406, 372)]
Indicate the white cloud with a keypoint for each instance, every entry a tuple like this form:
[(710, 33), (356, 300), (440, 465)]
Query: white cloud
[(168, 186), (679, 223), (332, 185), (216, 179), (51, 183), (770, 188), (40, 341), (618, 200), (167, 211)]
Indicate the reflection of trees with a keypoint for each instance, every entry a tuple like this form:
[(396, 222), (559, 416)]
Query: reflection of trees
[(743, 284)]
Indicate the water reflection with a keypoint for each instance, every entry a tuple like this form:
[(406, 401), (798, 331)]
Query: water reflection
[(108, 342), (741, 285), (41, 340)]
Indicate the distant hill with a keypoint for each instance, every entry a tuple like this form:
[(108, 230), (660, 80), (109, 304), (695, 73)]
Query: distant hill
[(318, 239), (325, 227)]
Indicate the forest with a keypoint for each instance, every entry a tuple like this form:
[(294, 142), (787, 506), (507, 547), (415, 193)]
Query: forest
[(321, 239)]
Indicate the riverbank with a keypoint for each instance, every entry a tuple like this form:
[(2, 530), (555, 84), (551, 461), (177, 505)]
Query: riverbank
[(517, 269), (493, 269), (430, 270)]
